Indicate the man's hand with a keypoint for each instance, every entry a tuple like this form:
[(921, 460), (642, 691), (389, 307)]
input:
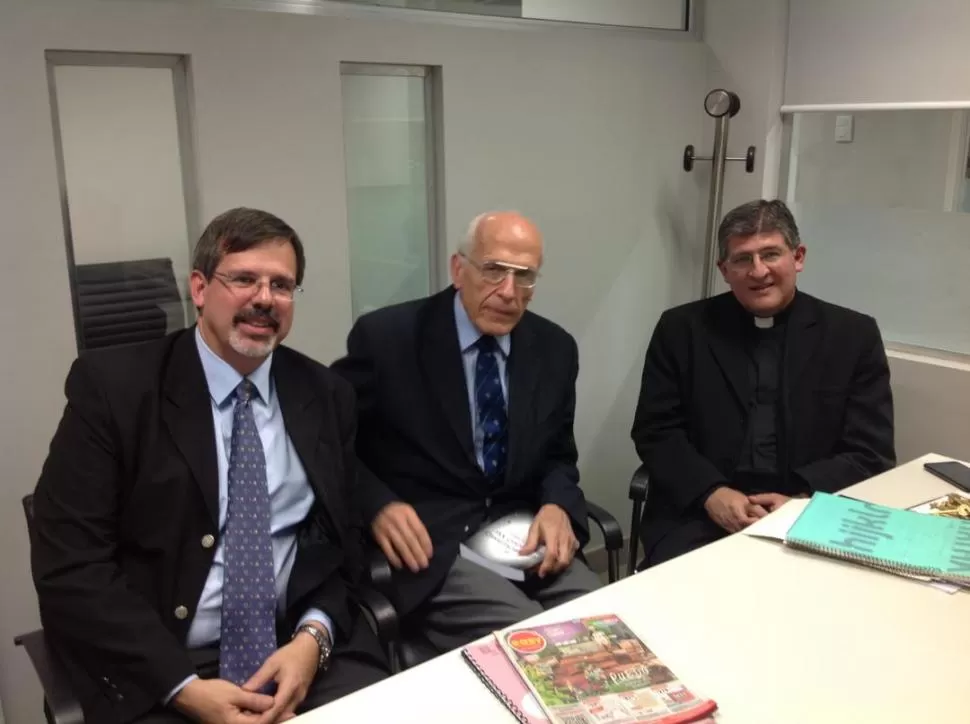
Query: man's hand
[(732, 510), (292, 667), (552, 527), (769, 501), (215, 701), (402, 536)]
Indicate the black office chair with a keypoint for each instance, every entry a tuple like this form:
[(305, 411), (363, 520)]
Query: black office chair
[(122, 302), (639, 487), (60, 705), (413, 648)]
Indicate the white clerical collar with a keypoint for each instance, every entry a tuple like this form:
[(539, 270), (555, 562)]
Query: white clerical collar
[(764, 322)]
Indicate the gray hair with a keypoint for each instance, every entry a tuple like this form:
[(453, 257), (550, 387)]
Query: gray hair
[(467, 245), (757, 217), (241, 229)]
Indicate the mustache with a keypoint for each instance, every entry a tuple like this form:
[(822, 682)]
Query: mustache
[(257, 315)]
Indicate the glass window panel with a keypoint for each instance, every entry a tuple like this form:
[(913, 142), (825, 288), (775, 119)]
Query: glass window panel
[(659, 14), (880, 209), (389, 167), (122, 179)]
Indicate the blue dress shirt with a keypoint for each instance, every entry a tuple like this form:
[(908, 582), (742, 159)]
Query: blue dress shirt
[(291, 496)]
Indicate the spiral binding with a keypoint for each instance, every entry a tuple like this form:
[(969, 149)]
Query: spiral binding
[(511, 705), (875, 562)]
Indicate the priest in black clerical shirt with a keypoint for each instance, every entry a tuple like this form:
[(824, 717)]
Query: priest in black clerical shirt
[(757, 395)]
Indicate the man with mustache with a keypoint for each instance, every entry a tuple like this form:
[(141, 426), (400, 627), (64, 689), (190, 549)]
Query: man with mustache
[(466, 405), (757, 395), (195, 554)]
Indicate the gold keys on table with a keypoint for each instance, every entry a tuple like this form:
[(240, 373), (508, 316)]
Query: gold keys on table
[(952, 506)]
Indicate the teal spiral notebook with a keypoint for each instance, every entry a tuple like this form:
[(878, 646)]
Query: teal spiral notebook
[(900, 541)]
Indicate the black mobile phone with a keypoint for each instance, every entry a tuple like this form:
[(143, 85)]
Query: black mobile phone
[(952, 472)]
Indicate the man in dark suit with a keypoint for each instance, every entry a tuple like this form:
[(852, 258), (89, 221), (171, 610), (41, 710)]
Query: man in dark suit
[(195, 551), (466, 405), (757, 395)]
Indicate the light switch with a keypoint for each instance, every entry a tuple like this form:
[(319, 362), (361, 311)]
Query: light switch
[(843, 129)]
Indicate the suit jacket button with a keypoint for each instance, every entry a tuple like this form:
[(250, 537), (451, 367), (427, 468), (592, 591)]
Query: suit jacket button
[(488, 502), (208, 540), (181, 613)]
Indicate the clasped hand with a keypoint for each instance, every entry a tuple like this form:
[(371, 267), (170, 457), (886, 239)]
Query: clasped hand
[(734, 511), (216, 701)]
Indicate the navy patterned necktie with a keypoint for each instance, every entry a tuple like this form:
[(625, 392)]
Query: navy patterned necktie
[(491, 409), (248, 635)]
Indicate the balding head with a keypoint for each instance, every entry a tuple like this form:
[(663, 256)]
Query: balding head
[(501, 225), (497, 241)]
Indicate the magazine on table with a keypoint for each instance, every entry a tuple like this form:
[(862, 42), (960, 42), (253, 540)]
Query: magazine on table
[(595, 670)]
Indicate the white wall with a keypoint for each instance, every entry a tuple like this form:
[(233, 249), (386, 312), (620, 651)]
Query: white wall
[(583, 129), (878, 51)]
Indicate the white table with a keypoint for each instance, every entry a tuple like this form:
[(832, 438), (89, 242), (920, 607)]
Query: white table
[(775, 636)]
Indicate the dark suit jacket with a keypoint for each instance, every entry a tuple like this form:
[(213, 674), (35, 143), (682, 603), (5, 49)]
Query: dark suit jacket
[(691, 419), (128, 491), (415, 431)]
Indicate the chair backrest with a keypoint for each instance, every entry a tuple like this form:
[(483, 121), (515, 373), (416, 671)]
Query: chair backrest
[(121, 302)]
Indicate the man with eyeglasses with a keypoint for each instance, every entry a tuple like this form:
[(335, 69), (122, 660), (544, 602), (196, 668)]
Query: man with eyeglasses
[(757, 395), (195, 552), (466, 404)]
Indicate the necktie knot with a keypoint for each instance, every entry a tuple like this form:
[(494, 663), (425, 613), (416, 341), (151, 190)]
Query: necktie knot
[(486, 344), (246, 390)]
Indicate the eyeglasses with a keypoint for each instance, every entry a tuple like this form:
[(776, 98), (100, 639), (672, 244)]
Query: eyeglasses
[(496, 272), (245, 283), (745, 262)]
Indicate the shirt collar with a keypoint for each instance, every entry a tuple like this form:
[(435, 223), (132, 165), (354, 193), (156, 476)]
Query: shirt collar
[(223, 380), (468, 333)]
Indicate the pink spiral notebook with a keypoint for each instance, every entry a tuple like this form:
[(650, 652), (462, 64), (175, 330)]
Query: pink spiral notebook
[(499, 675)]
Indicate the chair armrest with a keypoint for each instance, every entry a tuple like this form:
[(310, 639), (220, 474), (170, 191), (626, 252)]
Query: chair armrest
[(59, 701), (380, 614), (639, 484), (377, 607), (639, 488), (610, 527), (378, 573)]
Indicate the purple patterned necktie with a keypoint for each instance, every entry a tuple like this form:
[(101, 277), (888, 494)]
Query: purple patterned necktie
[(249, 589), (491, 409)]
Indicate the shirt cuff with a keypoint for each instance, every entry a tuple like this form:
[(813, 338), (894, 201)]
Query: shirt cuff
[(172, 694), (318, 616)]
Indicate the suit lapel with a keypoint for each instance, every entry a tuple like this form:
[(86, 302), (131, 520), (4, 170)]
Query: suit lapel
[(802, 338), (726, 338), (444, 370), (523, 371), (187, 413)]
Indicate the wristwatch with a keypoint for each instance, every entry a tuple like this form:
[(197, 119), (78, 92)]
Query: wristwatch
[(323, 641)]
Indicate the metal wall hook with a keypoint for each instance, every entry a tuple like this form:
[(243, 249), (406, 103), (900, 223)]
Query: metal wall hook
[(721, 105), (689, 158)]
